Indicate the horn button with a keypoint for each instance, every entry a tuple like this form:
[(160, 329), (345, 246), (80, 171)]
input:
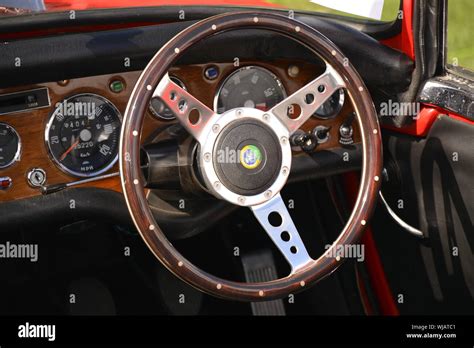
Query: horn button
[(247, 157)]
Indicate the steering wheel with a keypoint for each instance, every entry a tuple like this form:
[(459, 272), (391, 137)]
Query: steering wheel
[(261, 142)]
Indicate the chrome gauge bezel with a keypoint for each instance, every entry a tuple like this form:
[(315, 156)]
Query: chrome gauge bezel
[(338, 107), (239, 70), (155, 113), (61, 166), (17, 156)]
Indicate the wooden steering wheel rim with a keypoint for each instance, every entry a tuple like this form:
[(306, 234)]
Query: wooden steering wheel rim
[(130, 156)]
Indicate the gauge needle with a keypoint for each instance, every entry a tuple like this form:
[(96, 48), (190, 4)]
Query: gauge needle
[(72, 147)]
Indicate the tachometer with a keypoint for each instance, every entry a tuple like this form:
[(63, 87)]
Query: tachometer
[(250, 86), (83, 133)]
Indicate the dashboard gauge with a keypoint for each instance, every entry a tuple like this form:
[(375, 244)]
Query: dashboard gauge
[(251, 87), (332, 106), (83, 134), (159, 109), (10, 146)]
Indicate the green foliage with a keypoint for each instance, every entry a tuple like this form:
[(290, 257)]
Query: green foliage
[(460, 33)]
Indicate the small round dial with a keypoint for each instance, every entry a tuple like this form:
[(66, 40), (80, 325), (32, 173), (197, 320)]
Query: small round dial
[(252, 87), (82, 135), (332, 106), (10, 145), (159, 109)]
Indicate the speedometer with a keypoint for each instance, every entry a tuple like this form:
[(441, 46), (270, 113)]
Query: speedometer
[(82, 135), (252, 87)]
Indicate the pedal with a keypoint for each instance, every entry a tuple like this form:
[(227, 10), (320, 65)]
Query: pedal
[(260, 267)]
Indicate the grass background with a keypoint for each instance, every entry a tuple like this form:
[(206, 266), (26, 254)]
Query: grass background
[(460, 24), (461, 33)]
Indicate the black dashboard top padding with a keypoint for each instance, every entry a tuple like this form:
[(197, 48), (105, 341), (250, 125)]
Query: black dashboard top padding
[(67, 56)]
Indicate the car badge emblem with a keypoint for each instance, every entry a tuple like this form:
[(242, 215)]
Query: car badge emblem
[(250, 156)]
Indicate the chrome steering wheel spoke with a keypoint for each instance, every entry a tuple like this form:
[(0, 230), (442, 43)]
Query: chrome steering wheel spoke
[(277, 222), (191, 113), (298, 107)]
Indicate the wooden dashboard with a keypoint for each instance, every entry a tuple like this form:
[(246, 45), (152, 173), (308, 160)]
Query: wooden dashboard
[(30, 125)]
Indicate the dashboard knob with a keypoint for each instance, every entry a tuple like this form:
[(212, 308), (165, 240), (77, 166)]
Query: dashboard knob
[(346, 131), (321, 134), (306, 141)]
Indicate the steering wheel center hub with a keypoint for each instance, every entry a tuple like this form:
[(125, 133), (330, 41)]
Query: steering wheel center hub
[(246, 157)]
